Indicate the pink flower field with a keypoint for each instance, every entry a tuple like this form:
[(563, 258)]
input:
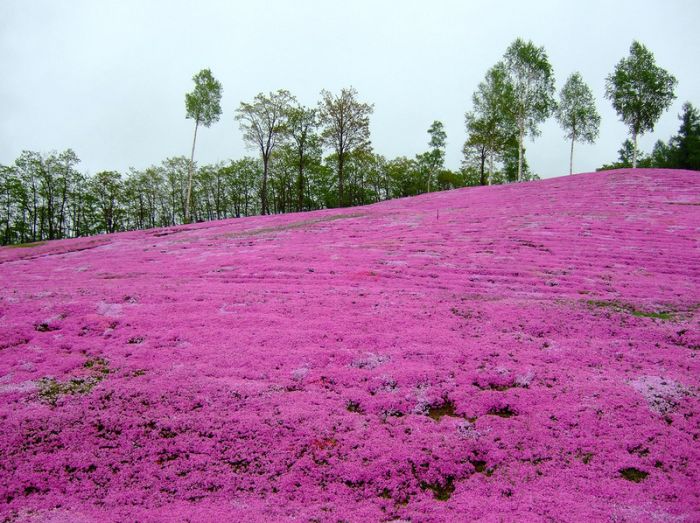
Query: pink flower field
[(526, 352)]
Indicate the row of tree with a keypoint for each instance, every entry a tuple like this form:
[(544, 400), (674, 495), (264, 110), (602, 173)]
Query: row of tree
[(279, 127), (47, 197), (518, 94)]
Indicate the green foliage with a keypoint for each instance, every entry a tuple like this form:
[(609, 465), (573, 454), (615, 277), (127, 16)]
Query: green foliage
[(491, 123), (532, 79), (640, 91), (264, 123), (345, 128), (404, 177), (438, 137), (616, 306), (682, 151), (577, 114), (624, 158), (662, 155), (301, 134), (468, 176), (38, 196), (514, 160), (447, 179), (365, 177), (434, 159), (576, 111), (203, 104), (475, 154), (107, 188), (685, 146), (50, 389)]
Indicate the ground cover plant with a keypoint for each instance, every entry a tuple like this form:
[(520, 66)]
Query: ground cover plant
[(519, 352)]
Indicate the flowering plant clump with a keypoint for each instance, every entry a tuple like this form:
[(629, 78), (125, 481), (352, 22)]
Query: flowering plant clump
[(510, 353)]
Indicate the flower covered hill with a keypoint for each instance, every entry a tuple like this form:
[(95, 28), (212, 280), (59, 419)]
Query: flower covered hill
[(519, 352)]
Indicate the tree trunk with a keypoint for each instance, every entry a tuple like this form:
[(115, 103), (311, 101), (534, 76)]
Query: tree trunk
[(189, 175), (482, 179), (634, 149), (490, 167), (34, 212), (300, 182), (571, 156), (520, 151), (341, 195), (263, 192)]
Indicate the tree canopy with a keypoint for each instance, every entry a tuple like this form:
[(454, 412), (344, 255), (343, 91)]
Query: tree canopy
[(533, 85), (203, 104), (577, 113), (490, 125), (263, 123), (345, 128), (640, 91)]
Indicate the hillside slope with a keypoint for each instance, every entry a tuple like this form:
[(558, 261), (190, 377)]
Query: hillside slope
[(500, 353)]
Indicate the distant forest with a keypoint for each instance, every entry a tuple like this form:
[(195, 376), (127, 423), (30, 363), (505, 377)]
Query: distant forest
[(321, 157)]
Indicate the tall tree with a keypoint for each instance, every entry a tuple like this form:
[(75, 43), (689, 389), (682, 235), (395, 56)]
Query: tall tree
[(436, 155), (175, 178), (404, 177), (577, 114), (533, 85), (263, 123), (640, 91), (107, 189), (11, 193), (490, 124), (345, 123), (475, 153), (301, 126), (203, 105), (514, 159), (686, 144), (64, 165)]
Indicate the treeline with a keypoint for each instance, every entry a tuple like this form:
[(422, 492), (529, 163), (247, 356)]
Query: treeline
[(319, 157), (681, 151), (309, 158), (45, 197)]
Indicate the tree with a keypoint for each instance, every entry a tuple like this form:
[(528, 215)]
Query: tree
[(577, 114), (515, 166), (11, 195), (435, 157), (404, 177), (686, 144), (345, 124), (203, 105), (174, 198), (263, 123), (662, 156), (67, 176), (490, 124), (475, 153), (243, 178), (533, 86), (364, 177), (640, 91), (301, 126), (625, 157), (107, 189)]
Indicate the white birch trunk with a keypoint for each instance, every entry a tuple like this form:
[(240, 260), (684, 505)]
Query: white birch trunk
[(189, 175)]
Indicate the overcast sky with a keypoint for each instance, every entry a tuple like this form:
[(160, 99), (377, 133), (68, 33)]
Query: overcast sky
[(108, 78)]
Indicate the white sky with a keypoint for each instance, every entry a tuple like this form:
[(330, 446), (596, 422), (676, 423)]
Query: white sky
[(108, 78)]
